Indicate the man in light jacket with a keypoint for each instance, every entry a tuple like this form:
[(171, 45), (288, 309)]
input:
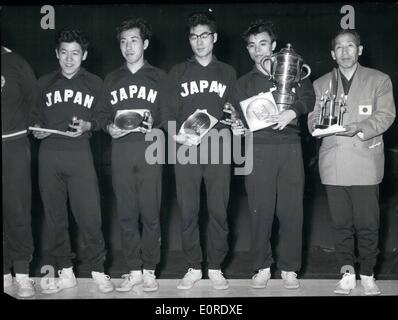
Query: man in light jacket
[(351, 163)]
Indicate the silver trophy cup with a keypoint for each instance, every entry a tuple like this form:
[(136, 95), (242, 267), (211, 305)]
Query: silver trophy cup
[(286, 73)]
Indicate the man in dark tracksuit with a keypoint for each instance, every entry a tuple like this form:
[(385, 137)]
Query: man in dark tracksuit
[(278, 173), (136, 183), (66, 165), (18, 96), (202, 82)]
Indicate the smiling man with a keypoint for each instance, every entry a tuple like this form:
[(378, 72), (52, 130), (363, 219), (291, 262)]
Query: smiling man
[(66, 165), (277, 179), (136, 183), (202, 82), (351, 163)]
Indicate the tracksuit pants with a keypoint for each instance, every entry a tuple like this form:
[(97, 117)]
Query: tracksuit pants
[(217, 182), (355, 210), (66, 169), (276, 183), (137, 186), (17, 194)]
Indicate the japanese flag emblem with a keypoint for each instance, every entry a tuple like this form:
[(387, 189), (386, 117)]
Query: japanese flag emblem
[(365, 109)]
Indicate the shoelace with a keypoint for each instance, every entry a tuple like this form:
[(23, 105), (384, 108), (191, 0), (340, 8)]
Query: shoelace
[(345, 278), (149, 275), (291, 275), (262, 272), (218, 275), (371, 282), (106, 277), (25, 282), (103, 278), (189, 274)]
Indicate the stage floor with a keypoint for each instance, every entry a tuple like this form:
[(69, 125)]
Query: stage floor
[(86, 289)]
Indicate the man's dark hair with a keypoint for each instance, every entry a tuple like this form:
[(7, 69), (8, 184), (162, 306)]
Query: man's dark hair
[(72, 35), (205, 18), (139, 23), (357, 37), (259, 26)]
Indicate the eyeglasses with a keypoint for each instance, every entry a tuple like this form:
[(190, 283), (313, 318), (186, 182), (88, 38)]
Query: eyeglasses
[(203, 36)]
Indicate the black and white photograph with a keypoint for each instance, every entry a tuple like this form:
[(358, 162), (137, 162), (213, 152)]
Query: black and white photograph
[(294, 195)]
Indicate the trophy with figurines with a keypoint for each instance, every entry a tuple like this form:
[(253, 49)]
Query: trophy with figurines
[(73, 122), (331, 110), (286, 73)]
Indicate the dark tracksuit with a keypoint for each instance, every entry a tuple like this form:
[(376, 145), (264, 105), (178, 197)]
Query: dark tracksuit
[(136, 183), (277, 179), (18, 96), (191, 86), (66, 167)]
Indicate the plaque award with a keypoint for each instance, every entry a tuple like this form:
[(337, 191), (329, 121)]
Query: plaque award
[(198, 125), (132, 119), (257, 109)]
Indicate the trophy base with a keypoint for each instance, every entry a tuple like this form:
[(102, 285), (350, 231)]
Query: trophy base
[(323, 130)]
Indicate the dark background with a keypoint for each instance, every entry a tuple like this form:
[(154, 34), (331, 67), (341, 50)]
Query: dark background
[(308, 27)]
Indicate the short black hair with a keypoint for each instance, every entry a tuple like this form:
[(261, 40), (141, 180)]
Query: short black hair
[(72, 35), (139, 23), (204, 18), (357, 37), (259, 26)]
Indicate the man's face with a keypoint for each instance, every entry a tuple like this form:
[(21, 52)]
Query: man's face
[(132, 46), (203, 45), (70, 56), (259, 46), (345, 51)]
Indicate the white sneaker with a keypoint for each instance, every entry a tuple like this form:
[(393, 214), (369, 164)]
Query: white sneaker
[(346, 284), (130, 280), (260, 279), (103, 282), (369, 285), (189, 279), (25, 285), (290, 280), (150, 283), (7, 280), (218, 279), (66, 280)]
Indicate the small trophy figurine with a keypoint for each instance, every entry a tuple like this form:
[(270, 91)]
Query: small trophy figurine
[(229, 114), (73, 123), (145, 119)]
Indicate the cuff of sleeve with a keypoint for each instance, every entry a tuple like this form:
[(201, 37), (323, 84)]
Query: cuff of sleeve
[(94, 125), (105, 126)]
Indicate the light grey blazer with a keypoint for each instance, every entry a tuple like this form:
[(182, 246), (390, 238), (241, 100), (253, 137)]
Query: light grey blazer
[(347, 161)]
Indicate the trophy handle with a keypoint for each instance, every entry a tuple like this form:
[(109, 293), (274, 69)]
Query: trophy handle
[(262, 63), (308, 71)]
